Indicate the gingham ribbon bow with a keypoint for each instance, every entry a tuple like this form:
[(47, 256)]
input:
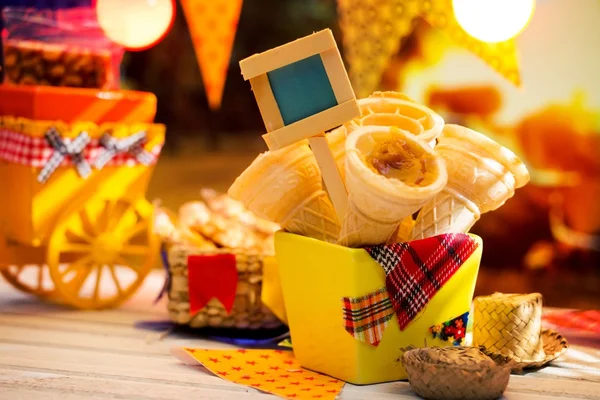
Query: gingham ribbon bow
[(133, 145), (65, 148)]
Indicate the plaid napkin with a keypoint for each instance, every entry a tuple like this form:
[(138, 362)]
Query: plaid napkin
[(416, 271), (366, 317)]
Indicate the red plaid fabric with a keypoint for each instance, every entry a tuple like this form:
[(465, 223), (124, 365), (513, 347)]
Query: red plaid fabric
[(416, 270), (366, 317), (22, 149)]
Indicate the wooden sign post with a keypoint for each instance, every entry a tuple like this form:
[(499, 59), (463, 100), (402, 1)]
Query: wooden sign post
[(302, 90)]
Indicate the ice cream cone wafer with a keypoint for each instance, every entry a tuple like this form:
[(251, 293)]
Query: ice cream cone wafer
[(285, 187), (482, 175), (388, 109), (397, 109), (390, 174)]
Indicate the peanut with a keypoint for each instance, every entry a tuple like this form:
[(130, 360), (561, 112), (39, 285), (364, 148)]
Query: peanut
[(31, 63)]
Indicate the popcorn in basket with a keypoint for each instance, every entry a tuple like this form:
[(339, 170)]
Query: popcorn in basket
[(217, 253), (361, 277)]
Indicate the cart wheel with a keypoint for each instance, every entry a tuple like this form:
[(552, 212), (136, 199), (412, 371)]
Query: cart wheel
[(33, 279), (100, 252)]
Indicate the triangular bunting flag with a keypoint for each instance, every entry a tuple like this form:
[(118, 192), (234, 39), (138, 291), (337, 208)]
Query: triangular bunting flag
[(501, 56), (213, 25), (372, 32)]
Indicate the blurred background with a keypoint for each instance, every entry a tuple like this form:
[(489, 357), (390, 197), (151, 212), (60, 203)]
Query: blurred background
[(546, 238)]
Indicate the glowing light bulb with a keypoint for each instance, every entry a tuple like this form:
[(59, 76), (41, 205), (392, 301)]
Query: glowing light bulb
[(135, 24), (493, 20)]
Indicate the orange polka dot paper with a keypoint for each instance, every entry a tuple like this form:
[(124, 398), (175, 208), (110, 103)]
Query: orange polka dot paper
[(272, 371)]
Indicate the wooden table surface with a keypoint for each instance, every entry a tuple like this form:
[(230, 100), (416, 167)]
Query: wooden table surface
[(50, 352)]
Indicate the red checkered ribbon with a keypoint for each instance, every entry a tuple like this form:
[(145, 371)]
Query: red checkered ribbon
[(19, 148), (366, 317), (416, 270)]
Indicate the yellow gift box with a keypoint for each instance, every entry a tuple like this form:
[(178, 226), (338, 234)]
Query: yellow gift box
[(316, 275)]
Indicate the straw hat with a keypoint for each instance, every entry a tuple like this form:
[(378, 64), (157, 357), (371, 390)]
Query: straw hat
[(508, 327), (448, 373)]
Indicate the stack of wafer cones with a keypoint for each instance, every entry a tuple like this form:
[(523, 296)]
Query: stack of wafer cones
[(285, 187), (397, 159)]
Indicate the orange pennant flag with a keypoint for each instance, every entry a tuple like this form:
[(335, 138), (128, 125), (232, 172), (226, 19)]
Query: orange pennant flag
[(271, 371), (213, 25)]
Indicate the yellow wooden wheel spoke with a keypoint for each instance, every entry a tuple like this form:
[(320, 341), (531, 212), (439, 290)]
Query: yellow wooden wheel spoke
[(81, 263), (77, 282), (116, 215), (135, 250), (112, 217), (98, 280), (124, 263), (40, 278), (76, 248), (103, 220), (128, 218), (82, 236), (87, 223), (113, 273), (19, 270), (135, 231)]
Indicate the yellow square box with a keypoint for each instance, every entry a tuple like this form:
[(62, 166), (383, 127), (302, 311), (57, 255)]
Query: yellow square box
[(316, 275)]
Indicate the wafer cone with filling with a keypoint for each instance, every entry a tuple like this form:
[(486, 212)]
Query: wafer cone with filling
[(482, 175), (285, 187), (387, 109), (390, 174)]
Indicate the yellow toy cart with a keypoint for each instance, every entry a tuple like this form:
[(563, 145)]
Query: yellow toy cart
[(75, 226)]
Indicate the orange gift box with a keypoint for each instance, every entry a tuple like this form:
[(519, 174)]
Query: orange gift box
[(76, 104)]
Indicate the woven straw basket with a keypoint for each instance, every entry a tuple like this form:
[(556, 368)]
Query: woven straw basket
[(448, 373), (248, 311)]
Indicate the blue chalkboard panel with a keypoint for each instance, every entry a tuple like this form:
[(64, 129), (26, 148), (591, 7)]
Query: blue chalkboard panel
[(302, 89)]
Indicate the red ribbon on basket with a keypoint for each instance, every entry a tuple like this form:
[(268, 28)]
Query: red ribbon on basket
[(211, 276)]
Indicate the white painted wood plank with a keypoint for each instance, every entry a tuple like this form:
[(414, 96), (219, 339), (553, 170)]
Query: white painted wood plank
[(91, 363), (143, 344), (554, 387), (509, 394), (85, 386), (21, 393), (119, 316), (49, 323), (85, 341)]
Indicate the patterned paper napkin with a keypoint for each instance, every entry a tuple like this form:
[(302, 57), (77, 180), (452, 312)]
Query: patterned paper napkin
[(272, 371)]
